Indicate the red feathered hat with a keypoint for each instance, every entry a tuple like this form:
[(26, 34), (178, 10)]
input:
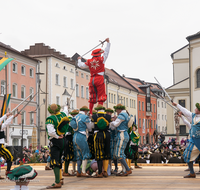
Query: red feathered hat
[(97, 52)]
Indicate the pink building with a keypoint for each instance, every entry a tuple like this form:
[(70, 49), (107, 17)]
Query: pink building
[(21, 81)]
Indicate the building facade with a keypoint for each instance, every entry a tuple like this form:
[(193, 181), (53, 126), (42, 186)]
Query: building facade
[(21, 82), (57, 79)]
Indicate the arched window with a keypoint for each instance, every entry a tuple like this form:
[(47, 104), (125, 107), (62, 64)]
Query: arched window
[(198, 78)]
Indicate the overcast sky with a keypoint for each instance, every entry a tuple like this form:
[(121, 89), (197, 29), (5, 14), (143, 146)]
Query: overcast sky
[(143, 33)]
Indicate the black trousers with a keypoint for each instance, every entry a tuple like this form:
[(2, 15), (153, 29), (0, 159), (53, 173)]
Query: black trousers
[(102, 145), (57, 146)]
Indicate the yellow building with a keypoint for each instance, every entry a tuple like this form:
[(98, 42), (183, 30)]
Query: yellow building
[(119, 91)]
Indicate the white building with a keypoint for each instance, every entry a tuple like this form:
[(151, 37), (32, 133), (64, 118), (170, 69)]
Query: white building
[(186, 84)]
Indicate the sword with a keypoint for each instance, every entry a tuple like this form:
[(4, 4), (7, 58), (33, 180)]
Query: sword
[(164, 90), (27, 103), (21, 103), (166, 102)]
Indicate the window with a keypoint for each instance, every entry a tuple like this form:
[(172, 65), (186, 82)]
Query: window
[(14, 67), (165, 117), (23, 69), (165, 105), (158, 128), (15, 118), (182, 129), (82, 92), (158, 104), (154, 124), (87, 77), (198, 78), (130, 103), (58, 100), (15, 142), (114, 99), (111, 98), (23, 90), (31, 92), (57, 79), (31, 118), (87, 93), (31, 72), (154, 108), (133, 104), (71, 70), (65, 68), (146, 123), (162, 104), (65, 81), (162, 117), (72, 83), (182, 103), (142, 106), (3, 87), (140, 123), (158, 116), (77, 90), (72, 104), (77, 73), (126, 102), (139, 106), (23, 117), (82, 75), (57, 65)]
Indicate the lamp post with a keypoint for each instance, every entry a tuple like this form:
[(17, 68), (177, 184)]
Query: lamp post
[(38, 101), (22, 140)]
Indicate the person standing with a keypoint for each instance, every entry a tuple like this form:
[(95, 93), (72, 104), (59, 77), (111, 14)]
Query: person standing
[(56, 127), (4, 152), (96, 65), (113, 133), (193, 149), (80, 123), (133, 147), (122, 138), (101, 122)]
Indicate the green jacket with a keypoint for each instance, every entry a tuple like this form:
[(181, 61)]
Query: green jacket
[(60, 122)]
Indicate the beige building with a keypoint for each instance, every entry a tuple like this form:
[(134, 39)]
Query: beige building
[(120, 91), (58, 80), (186, 87)]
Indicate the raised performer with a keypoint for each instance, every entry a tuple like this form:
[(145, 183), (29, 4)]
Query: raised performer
[(101, 139), (96, 66), (56, 127), (193, 149)]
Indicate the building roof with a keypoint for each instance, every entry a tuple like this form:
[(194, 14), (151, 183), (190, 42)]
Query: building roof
[(136, 83), (114, 78), (9, 48), (193, 36), (41, 50), (172, 54)]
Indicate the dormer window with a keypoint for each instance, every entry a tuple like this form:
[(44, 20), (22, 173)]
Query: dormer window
[(65, 68), (57, 65)]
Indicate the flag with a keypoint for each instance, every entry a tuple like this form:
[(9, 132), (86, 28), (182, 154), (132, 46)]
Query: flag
[(150, 127), (6, 101), (4, 61), (143, 128), (135, 120)]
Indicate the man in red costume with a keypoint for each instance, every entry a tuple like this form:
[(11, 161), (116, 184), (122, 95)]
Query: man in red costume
[(97, 71)]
